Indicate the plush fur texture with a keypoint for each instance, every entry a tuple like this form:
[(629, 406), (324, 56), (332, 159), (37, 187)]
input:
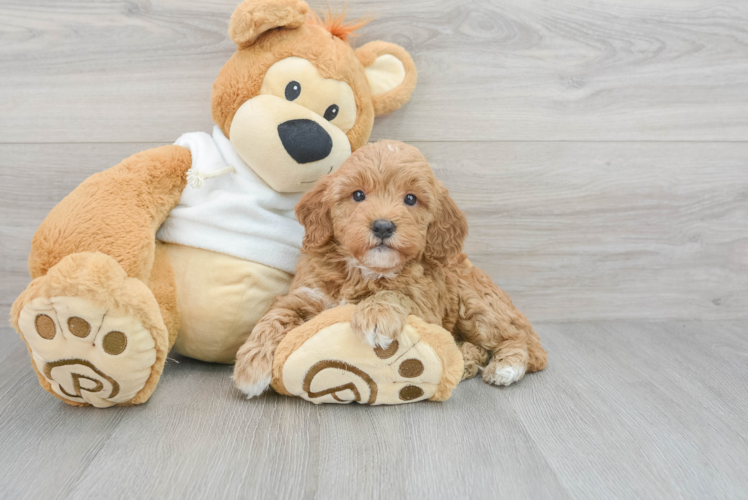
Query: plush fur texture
[(117, 212), (254, 17), (241, 77), (420, 270)]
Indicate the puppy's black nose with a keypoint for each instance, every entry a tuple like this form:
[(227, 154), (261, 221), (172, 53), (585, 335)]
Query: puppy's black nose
[(383, 228), (305, 140)]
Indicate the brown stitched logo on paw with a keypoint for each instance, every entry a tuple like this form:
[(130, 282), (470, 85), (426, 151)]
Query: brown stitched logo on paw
[(45, 326), (76, 378), (410, 392), (411, 368), (340, 365)]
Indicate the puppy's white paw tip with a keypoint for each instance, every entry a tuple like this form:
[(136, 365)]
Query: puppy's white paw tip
[(383, 342), (506, 376), (254, 390), (375, 340), (371, 339)]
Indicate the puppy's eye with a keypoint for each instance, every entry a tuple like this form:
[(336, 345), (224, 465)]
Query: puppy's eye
[(410, 199), (293, 89), (332, 112), (359, 196)]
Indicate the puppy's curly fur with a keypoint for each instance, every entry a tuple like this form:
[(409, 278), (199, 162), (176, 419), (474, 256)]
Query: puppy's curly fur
[(420, 269)]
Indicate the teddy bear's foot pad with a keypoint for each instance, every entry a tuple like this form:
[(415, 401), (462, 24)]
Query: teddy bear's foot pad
[(89, 354), (324, 361), (96, 336)]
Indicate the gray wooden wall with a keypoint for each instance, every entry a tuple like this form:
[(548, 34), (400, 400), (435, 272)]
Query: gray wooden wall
[(599, 148)]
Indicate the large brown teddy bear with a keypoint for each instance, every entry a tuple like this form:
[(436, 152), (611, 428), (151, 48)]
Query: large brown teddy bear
[(186, 245)]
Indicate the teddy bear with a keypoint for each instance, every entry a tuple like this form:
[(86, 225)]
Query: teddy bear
[(186, 245)]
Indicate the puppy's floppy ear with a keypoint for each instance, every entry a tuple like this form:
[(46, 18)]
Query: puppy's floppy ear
[(313, 212), (447, 232), (391, 75), (254, 17)]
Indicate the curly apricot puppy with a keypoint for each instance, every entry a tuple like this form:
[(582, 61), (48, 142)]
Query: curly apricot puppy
[(383, 233)]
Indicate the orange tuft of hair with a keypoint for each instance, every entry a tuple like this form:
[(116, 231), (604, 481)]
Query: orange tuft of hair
[(336, 23)]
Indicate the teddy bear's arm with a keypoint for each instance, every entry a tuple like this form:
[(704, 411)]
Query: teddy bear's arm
[(116, 212)]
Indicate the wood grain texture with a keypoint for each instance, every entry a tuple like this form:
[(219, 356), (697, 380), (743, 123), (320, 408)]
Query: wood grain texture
[(600, 151), (573, 231), (625, 410), (141, 71)]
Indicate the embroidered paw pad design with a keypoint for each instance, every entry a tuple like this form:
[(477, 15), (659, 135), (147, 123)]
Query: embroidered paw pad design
[(87, 353), (334, 366)]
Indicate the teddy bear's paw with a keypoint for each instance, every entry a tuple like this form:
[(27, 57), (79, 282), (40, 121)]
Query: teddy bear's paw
[(324, 361), (87, 352), (503, 373), (407, 370)]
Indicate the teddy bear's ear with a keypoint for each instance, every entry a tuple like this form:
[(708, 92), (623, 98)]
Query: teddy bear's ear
[(254, 17), (390, 72)]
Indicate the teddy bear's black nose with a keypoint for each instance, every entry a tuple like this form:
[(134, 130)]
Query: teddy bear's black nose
[(383, 228), (305, 140)]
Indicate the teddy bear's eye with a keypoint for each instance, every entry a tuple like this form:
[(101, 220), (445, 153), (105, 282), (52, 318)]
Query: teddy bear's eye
[(359, 196), (410, 199), (293, 89), (331, 112)]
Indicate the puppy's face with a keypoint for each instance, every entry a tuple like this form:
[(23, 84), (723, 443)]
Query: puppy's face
[(384, 207)]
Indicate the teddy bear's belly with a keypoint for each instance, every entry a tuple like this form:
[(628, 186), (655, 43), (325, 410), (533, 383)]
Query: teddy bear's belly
[(220, 298)]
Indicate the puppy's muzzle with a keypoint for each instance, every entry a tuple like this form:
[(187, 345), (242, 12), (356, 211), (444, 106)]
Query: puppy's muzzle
[(382, 228), (305, 140)]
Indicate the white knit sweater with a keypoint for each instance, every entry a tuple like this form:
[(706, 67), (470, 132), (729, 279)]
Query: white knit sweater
[(234, 213)]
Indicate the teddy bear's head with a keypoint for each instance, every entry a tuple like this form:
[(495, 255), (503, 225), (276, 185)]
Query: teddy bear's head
[(295, 99)]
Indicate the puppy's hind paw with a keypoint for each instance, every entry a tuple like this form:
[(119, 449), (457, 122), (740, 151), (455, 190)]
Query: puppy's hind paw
[(503, 374), (474, 358)]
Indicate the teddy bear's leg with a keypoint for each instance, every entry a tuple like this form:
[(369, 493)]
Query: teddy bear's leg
[(95, 335), (163, 286), (116, 212), (100, 315), (325, 361)]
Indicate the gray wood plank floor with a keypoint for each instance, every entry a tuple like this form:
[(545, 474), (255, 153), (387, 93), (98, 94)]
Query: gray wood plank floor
[(600, 151), (625, 410)]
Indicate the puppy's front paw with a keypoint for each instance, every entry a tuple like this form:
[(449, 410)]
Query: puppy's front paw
[(377, 326), (498, 373), (252, 372), (253, 385)]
